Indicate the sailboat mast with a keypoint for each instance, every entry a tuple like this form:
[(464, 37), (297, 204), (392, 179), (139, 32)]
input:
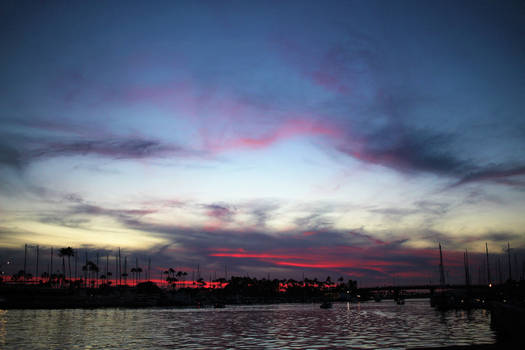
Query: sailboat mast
[(510, 269), (488, 267), (441, 268), (51, 264), (25, 261), (37, 257), (149, 269), (467, 270)]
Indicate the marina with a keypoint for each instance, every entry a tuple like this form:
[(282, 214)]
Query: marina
[(365, 325)]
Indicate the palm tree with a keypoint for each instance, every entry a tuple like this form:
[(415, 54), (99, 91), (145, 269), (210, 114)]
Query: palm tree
[(292, 283), (172, 281), (138, 270), (62, 253), (85, 271), (96, 270), (179, 275), (184, 274), (93, 268), (125, 274), (69, 252), (90, 268), (307, 282), (168, 275), (134, 274)]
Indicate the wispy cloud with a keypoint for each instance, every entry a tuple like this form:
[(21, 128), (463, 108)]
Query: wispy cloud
[(406, 151), (374, 112), (19, 151), (119, 148), (219, 211), (513, 176), (10, 156)]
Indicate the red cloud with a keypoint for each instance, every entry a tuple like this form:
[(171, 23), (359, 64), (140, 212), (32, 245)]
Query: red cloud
[(319, 258), (312, 265)]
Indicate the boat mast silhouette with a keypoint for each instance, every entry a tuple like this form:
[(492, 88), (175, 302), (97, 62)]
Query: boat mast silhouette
[(441, 268), (488, 267)]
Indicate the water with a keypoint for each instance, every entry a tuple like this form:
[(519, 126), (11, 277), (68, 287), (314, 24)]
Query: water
[(285, 326)]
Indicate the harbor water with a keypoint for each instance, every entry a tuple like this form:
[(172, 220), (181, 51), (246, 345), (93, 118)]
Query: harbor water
[(373, 325)]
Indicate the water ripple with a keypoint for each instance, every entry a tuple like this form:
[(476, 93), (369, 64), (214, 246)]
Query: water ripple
[(286, 326)]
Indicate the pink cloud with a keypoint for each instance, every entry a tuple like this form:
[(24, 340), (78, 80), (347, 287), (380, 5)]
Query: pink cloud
[(289, 129), (222, 120)]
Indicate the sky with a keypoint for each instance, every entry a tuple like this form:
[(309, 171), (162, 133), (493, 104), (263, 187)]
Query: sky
[(281, 138)]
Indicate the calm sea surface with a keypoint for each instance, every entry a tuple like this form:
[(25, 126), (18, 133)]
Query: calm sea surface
[(292, 326)]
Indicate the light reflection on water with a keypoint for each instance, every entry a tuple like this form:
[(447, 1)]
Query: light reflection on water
[(284, 326)]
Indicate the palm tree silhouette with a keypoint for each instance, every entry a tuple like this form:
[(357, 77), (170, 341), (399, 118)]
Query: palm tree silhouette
[(184, 274), (94, 268), (179, 276), (328, 282), (62, 254), (167, 273), (90, 268), (133, 274), (138, 271), (85, 272), (69, 252)]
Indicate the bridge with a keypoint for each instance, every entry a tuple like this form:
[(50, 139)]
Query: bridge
[(429, 287)]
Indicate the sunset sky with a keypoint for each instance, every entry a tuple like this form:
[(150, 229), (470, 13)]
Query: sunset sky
[(332, 138)]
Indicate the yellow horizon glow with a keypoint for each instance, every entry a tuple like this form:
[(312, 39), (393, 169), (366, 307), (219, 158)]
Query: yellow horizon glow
[(99, 234)]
